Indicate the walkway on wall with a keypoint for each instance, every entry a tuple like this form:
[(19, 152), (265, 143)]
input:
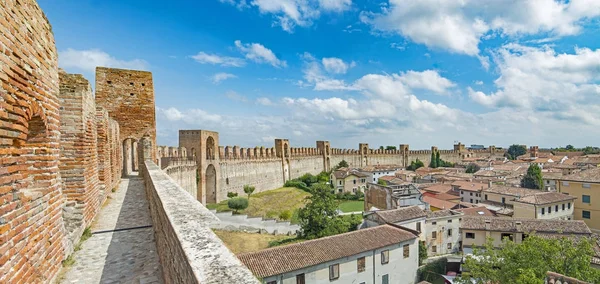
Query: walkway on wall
[(122, 248)]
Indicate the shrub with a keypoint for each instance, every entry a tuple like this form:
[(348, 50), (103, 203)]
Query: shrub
[(271, 214), (360, 195), (297, 184), (339, 195), (248, 189), (348, 196), (231, 194), (237, 203), (285, 215)]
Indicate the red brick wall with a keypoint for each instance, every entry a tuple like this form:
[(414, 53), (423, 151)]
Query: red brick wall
[(104, 158), (115, 151), (32, 232), (79, 154)]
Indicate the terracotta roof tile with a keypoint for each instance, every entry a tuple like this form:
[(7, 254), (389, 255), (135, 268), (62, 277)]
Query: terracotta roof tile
[(438, 187), (476, 211), (442, 213), (401, 214), (509, 190), (439, 203), (278, 260), (470, 185), (527, 225), (545, 198), (591, 175)]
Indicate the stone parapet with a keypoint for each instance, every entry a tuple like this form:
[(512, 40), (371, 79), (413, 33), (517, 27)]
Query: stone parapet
[(189, 251)]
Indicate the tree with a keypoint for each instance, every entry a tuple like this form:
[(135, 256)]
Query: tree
[(570, 147), (472, 168), (342, 164), (231, 194), (414, 165), (248, 189), (237, 204), (515, 151), (433, 163), (390, 148), (381, 182), (422, 252), (438, 161), (530, 260), (381, 148), (533, 178), (319, 218)]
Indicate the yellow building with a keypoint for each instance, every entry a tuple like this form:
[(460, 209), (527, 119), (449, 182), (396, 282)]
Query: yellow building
[(349, 180), (585, 186)]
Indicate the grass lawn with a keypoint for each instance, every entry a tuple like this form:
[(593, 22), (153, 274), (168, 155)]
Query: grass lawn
[(352, 205), (240, 242), (269, 204)]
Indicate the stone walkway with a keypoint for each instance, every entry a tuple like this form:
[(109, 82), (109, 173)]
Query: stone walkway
[(127, 255)]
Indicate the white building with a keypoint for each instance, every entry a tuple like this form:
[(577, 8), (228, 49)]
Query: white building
[(377, 171), (383, 254), (442, 232), (412, 217)]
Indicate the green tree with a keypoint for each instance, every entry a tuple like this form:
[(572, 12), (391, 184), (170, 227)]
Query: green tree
[(391, 148), (533, 178), (433, 163), (248, 189), (422, 252), (381, 182), (570, 147), (319, 218), (529, 261), (381, 148), (285, 215), (515, 151), (237, 204), (231, 194), (438, 161), (342, 164), (472, 168), (414, 165)]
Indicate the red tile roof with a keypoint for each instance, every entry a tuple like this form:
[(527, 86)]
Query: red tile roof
[(439, 203)]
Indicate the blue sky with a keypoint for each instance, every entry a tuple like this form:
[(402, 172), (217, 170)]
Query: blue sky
[(427, 72)]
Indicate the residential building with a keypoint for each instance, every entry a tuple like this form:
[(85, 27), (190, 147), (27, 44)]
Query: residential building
[(476, 229), (439, 204), (544, 205), (470, 191), (584, 185), (412, 217), (550, 179), (476, 211), (385, 197), (349, 180), (376, 171), (381, 254), (442, 232)]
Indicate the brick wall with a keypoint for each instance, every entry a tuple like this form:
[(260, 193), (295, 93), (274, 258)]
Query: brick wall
[(116, 154), (32, 233), (104, 155)]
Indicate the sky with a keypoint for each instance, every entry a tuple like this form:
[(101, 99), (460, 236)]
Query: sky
[(383, 72)]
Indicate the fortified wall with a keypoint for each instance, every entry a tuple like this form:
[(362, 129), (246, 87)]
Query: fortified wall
[(61, 148), (223, 169)]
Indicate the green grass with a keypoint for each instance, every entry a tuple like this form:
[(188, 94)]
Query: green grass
[(351, 205), (69, 261), (269, 204), (241, 242)]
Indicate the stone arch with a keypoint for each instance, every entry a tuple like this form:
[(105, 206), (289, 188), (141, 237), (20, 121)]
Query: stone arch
[(365, 150), (210, 148), (211, 184), (128, 156), (193, 152)]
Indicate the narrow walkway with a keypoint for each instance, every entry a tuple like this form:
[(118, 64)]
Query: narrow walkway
[(122, 248)]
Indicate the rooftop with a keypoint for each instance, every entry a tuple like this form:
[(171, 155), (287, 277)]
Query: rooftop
[(476, 211), (278, 260), (442, 213), (470, 185), (346, 172), (503, 224), (591, 175), (401, 214), (545, 198), (438, 188), (439, 203), (509, 190)]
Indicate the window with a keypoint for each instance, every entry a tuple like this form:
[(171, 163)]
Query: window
[(503, 200), (470, 235), (449, 232), (543, 211), (373, 179), (340, 190), (449, 221), (569, 205), (334, 271), (471, 194), (385, 256), (434, 249), (506, 235), (549, 209), (354, 190), (563, 207), (385, 279), (556, 208), (406, 251), (433, 223), (471, 200), (354, 181), (486, 197), (585, 198), (360, 264), (434, 235), (449, 245), (419, 227), (585, 185), (300, 279), (565, 183), (340, 182), (362, 180), (462, 192), (586, 214)]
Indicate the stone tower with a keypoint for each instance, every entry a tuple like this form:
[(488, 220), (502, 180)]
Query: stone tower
[(404, 155), (533, 151), (363, 149), (282, 150), (325, 148), (204, 145)]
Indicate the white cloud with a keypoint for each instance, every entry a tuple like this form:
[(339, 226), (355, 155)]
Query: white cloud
[(297, 133), (479, 83), (234, 96), (336, 65), (219, 77), (191, 115), (427, 80), (264, 101), (291, 13), (88, 60), (458, 26), (260, 54), (214, 59)]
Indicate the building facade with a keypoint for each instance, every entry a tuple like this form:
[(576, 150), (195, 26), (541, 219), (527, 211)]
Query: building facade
[(349, 180), (585, 186), (442, 232)]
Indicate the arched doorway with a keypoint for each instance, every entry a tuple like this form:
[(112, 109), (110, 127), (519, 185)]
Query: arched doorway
[(128, 157), (210, 148), (211, 184)]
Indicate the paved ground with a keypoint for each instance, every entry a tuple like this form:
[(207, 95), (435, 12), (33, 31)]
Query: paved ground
[(124, 256)]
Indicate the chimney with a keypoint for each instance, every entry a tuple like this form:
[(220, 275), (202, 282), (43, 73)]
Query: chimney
[(519, 226), (489, 183), (487, 224)]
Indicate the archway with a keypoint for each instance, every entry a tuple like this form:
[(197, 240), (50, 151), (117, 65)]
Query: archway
[(211, 184), (193, 152), (210, 148), (128, 157)]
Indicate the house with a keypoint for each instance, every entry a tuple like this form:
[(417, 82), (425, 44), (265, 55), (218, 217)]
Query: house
[(476, 229), (412, 217), (439, 188), (470, 191), (393, 196), (349, 180), (381, 254), (439, 204), (544, 205), (550, 179), (442, 232), (376, 171), (584, 185)]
